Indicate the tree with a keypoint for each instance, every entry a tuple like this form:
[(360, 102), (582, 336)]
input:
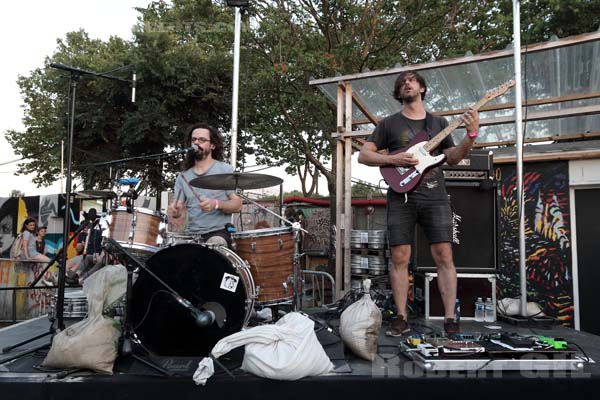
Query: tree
[(182, 54), (183, 77)]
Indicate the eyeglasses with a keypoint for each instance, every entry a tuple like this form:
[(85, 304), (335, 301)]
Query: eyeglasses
[(200, 139)]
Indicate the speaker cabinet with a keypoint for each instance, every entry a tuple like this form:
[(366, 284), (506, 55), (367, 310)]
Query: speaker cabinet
[(475, 240)]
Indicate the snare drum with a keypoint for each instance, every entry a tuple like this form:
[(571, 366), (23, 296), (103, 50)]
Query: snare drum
[(137, 230), (174, 238), (74, 306), (270, 253)]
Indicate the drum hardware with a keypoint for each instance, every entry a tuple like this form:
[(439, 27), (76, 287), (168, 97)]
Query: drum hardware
[(239, 181), (236, 180), (97, 194)]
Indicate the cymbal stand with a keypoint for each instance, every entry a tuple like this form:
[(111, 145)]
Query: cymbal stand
[(296, 228)]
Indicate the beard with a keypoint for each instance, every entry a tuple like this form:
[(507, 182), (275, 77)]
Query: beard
[(408, 99), (201, 154)]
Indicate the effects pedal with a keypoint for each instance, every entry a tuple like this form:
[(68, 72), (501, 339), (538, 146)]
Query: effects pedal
[(428, 350)]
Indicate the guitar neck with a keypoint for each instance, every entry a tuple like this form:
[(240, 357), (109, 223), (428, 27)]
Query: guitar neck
[(437, 139)]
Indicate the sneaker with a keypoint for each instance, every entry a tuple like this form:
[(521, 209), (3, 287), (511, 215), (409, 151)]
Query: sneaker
[(399, 327), (451, 327)]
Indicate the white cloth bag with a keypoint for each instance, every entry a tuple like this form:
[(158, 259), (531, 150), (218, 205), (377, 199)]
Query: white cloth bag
[(360, 324), (287, 350)]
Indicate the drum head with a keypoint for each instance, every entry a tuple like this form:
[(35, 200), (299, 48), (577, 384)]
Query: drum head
[(197, 273)]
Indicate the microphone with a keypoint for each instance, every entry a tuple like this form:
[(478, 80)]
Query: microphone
[(203, 318), (133, 87), (192, 148)]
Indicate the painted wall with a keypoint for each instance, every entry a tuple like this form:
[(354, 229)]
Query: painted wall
[(547, 237), (13, 211)]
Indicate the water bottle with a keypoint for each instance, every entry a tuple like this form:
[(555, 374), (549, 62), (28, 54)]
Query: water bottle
[(457, 310), (479, 310), (489, 314)]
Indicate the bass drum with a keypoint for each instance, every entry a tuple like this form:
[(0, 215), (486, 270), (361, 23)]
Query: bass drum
[(203, 275)]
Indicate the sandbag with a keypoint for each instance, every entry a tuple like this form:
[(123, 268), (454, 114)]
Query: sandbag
[(360, 324), (93, 342), (287, 350)]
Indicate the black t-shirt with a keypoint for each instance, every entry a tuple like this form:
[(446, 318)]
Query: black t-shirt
[(396, 131)]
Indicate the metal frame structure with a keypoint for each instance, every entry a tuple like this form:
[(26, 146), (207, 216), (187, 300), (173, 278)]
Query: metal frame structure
[(350, 133)]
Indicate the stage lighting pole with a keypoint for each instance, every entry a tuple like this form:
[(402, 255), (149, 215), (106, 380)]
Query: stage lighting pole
[(236, 82), (519, 132)]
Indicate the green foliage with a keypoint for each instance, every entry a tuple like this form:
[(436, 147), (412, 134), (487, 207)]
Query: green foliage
[(182, 53), (361, 190)]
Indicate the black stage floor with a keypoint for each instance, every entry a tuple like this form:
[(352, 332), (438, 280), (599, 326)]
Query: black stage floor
[(390, 376)]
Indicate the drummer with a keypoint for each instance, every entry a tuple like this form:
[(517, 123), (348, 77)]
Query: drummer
[(208, 211)]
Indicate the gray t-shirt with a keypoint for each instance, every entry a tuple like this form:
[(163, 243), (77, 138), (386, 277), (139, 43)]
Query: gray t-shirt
[(199, 221), (29, 238)]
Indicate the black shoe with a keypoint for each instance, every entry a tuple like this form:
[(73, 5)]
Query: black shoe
[(451, 327), (399, 327)]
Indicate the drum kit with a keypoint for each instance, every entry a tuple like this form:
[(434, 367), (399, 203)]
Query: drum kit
[(261, 269)]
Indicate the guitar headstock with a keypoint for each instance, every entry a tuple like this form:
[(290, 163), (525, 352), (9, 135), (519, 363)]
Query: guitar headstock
[(500, 90)]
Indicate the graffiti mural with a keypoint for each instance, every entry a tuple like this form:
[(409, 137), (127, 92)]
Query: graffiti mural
[(547, 237), (8, 223)]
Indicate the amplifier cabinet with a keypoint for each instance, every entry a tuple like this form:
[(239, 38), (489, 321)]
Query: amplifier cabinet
[(469, 287), (475, 246)]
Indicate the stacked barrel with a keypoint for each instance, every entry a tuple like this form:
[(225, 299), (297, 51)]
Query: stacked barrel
[(369, 255)]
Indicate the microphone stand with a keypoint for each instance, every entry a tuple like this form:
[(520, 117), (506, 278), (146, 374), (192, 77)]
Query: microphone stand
[(76, 73), (128, 334)]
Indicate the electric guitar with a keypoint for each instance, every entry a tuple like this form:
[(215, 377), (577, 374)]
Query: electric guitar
[(404, 179)]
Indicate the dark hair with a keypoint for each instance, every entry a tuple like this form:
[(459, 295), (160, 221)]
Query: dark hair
[(27, 222), (216, 139), (400, 79)]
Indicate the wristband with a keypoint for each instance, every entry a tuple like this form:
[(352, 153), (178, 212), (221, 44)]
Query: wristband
[(216, 204), (472, 135)]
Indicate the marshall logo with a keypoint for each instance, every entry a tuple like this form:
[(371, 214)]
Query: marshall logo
[(456, 219)]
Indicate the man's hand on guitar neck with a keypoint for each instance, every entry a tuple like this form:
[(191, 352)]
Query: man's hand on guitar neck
[(471, 120)]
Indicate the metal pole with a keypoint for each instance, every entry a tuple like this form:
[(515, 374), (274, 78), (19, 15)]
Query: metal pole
[(236, 79), (67, 219), (519, 132)]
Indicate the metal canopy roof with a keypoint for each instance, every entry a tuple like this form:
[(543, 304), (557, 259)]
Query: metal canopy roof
[(561, 85)]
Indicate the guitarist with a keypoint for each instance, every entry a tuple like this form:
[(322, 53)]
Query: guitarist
[(427, 204)]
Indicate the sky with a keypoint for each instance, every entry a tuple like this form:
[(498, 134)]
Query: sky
[(29, 31)]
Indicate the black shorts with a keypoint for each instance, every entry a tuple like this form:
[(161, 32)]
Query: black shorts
[(434, 216)]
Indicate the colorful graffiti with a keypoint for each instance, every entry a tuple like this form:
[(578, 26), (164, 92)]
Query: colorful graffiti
[(25, 304), (547, 237)]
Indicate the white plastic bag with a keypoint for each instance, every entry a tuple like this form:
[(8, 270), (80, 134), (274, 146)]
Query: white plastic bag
[(93, 342), (360, 324), (288, 350)]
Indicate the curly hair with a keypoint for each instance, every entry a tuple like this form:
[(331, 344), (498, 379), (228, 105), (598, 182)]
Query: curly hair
[(400, 80), (216, 139)]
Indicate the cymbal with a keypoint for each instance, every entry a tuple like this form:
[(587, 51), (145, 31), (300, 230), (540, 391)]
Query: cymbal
[(235, 180), (97, 194)]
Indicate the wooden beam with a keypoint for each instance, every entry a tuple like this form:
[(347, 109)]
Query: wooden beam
[(542, 115), (529, 103), (555, 138), (557, 156)]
